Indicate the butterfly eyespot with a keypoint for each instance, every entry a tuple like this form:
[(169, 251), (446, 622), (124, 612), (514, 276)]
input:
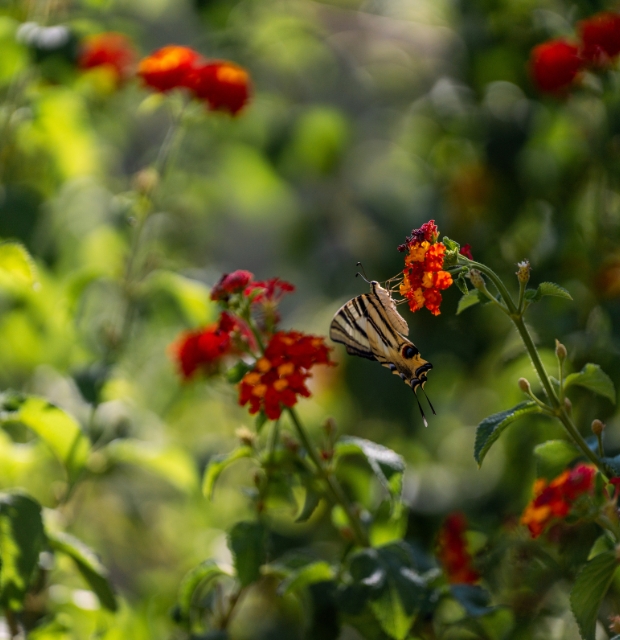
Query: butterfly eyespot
[(409, 352)]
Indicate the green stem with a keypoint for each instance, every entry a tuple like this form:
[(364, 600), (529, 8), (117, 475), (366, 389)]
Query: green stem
[(494, 278), (522, 287), (333, 485)]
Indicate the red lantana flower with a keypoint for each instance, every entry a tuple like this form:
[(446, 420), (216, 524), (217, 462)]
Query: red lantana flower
[(600, 37), (204, 349), (452, 551), (554, 65), (271, 290), (423, 275), (111, 50), (230, 283), (169, 68), (556, 498), (279, 377), (465, 250), (224, 85)]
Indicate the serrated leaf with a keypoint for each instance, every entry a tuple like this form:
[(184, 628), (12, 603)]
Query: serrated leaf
[(473, 598), (218, 463), (384, 462), (552, 289), (21, 540), (247, 543), (468, 300), (170, 463), (16, 265), (553, 456), (592, 377), (204, 573), (589, 590), (87, 563), (311, 502), (320, 571), (461, 284), (490, 429), (55, 427)]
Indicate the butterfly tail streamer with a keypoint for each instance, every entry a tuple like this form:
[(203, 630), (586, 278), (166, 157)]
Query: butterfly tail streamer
[(430, 404), (420, 406)]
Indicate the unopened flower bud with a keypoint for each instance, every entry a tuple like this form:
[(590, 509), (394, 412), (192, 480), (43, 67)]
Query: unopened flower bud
[(145, 181), (329, 426), (523, 274), (476, 278), (560, 350), (524, 385), (326, 455), (568, 405), (597, 427), (246, 437)]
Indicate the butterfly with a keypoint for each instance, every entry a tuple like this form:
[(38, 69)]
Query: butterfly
[(370, 327)]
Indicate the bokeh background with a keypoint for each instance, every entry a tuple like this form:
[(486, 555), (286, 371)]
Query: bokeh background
[(368, 118)]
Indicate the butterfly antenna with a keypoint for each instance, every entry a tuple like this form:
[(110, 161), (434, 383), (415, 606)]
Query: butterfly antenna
[(429, 401), (420, 408), (363, 274)]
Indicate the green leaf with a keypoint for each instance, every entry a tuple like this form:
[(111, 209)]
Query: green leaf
[(191, 296), (218, 463), (613, 465), (489, 430), (387, 465), (319, 571), (234, 374), (474, 599), (16, 265), (592, 377), (21, 540), (57, 429), (199, 576), (547, 289), (87, 563), (589, 590), (461, 284), (170, 463), (261, 420), (247, 542), (310, 504), (468, 300), (553, 456)]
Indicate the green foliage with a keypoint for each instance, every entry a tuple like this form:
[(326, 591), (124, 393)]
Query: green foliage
[(21, 540), (218, 463), (490, 429), (16, 265), (592, 377), (88, 565), (470, 299), (247, 543), (553, 456), (589, 589), (547, 289), (193, 581), (307, 575)]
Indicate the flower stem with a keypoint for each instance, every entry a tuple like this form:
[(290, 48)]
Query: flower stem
[(494, 278), (361, 537)]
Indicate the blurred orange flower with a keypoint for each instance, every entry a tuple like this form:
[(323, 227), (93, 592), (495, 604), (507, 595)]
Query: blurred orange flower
[(453, 553), (112, 50), (224, 85), (168, 68)]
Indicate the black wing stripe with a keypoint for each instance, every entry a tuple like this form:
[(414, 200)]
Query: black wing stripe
[(372, 320), (382, 313), (351, 320)]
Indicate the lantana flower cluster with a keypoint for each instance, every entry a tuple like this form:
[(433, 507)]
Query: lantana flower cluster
[(111, 51), (274, 375), (423, 275), (555, 499), (221, 84), (453, 553), (555, 64)]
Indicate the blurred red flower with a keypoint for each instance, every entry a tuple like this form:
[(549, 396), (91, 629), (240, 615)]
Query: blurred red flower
[(230, 283), (452, 551), (112, 50), (465, 250), (554, 65), (279, 377), (224, 85), (204, 349), (555, 499), (423, 275), (600, 37), (169, 68), (271, 290)]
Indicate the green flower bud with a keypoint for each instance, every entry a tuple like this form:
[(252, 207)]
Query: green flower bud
[(597, 427), (524, 385), (560, 351)]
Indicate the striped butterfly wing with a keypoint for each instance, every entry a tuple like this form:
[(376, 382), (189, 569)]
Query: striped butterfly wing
[(371, 327)]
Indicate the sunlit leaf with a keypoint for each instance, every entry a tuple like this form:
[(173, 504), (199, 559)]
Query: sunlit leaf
[(311, 502), (170, 463), (320, 571), (87, 563), (21, 540), (490, 429), (589, 590), (218, 463), (553, 456), (54, 426), (16, 265), (592, 377), (247, 542), (197, 577), (468, 300)]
